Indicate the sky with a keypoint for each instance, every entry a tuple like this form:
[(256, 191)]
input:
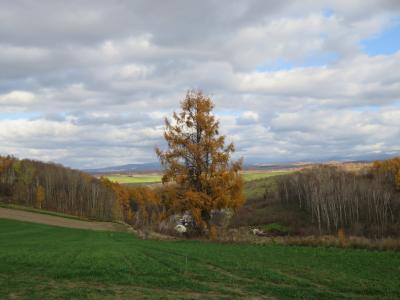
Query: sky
[(88, 83)]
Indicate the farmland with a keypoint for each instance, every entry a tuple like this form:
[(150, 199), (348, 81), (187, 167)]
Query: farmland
[(256, 175), (35, 263), (135, 179)]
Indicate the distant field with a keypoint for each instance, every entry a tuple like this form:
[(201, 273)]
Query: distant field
[(255, 175), (44, 262), (155, 178), (135, 178)]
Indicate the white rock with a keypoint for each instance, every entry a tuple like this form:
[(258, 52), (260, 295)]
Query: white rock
[(180, 228), (256, 231)]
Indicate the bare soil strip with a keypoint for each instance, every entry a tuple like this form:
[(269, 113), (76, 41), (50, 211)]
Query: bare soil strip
[(19, 215)]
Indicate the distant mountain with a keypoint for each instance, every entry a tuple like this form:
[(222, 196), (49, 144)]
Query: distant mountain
[(156, 167), (129, 168)]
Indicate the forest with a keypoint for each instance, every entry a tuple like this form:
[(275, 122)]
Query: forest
[(56, 188), (364, 202), (53, 187)]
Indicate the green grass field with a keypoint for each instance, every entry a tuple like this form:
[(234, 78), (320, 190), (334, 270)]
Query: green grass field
[(136, 179), (44, 262), (256, 175), (156, 178)]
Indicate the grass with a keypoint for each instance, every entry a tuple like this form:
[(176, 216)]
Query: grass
[(262, 208), (255, 189), (256, 175), (44, 262), (156, 178)]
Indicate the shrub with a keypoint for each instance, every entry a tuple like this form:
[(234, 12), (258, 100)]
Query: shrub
[(275, 228), (342, 237)]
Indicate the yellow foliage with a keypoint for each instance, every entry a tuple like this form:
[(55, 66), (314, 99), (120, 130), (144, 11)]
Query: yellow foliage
[(198, 162), (122, 198), (139, 205), (5, 163), (391, 167)]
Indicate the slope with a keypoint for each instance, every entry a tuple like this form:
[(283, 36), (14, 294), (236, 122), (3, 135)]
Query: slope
[(20, 215)]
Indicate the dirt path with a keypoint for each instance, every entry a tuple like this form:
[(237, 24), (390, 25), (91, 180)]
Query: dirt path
[(20, 215)]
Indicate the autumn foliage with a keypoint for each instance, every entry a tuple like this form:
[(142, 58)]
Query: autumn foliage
[(197, 164), (389, 170), (53, 187), (56, 188)]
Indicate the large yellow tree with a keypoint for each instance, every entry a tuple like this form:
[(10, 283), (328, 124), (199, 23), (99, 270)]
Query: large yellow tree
[(198, 163)]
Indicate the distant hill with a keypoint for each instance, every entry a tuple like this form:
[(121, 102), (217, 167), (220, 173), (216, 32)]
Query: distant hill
[(129, 168), (271, 167), (301, 165), (156, 167)]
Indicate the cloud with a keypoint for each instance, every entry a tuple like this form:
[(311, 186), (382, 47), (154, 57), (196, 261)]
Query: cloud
[(15, 99), (357, 82), (248, 118), (89, 83)]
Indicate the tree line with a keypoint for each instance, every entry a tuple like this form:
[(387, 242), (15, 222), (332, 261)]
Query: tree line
[(54, 187), (366, 202)]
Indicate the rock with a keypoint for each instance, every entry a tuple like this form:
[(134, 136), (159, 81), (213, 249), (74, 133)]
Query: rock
[(180, 228)]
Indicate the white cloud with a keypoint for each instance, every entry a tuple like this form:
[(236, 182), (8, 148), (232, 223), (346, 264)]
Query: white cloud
[(100, 77), (17, 99), (357, 82)]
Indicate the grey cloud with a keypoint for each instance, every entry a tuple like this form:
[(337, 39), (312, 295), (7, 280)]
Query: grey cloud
[(102, 75), (172, 22)]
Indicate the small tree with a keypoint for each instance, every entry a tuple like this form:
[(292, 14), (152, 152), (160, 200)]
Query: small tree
[(198, 162), (40, 195)]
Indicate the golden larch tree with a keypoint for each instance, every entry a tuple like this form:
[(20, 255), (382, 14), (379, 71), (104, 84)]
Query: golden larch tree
[(198, 163)]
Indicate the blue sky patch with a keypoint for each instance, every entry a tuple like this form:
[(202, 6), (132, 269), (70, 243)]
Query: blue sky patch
[(387, 42), (367, 108), (328, 12), (282, 64), (18, 115)]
